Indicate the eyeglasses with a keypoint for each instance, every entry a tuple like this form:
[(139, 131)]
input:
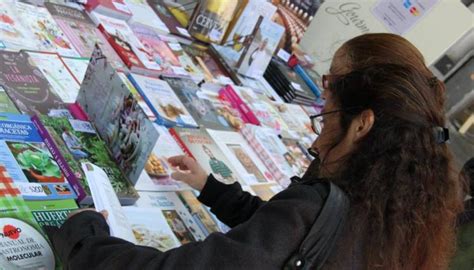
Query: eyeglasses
[(317, 123)]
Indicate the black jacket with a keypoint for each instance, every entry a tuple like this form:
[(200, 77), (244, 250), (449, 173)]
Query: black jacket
[(263, 235)]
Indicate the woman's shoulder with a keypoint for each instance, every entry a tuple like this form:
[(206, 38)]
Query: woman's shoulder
[(314, 191)]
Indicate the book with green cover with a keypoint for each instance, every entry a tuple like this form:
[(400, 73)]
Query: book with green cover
[(51, 213)]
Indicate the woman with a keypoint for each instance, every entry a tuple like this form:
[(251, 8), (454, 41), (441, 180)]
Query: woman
[(377, 143)]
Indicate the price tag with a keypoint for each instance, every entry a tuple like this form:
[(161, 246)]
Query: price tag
[(175, 46), (60, 113), (121, 7), (297, 86), (179, 71), (31, 189), (249, 178), (82, 126), (224, 80), (187, 119), (284, 55), (215, 35)]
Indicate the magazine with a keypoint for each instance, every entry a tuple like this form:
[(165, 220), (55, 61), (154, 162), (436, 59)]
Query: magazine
[(58, 75), (117, 116), (182, 224), (29, 162), (25, 84)]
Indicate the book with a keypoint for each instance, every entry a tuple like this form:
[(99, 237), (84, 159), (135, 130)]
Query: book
[(57, 73), (51, 213), (20, 231), (261, 86), (25, 84), (113, 8), (76, 25), (199, 107), (198, 144), (295, 117), (126, 45), (183, 225), (77, 66), (6, 104), (47, 34), (158, 50), (144, 16), (117, 116), (167, 17), (13, 35), (78, 142), (266, 191), (29, 162), (198, 211), (182, 10), (141, 102), (262, 48), (223, 107), (157, 174), (185, 61), (240, 154), (237, 103), (105, 198), (163, 101), (150, 228), (64, 158), (296, 156), (271, 151)]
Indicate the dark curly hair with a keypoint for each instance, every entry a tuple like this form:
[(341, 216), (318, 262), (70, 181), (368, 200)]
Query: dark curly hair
[(399, 177)]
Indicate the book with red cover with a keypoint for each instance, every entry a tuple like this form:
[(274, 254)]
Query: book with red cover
[(239, 104)]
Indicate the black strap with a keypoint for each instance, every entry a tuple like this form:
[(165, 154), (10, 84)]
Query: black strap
[(319, 242)]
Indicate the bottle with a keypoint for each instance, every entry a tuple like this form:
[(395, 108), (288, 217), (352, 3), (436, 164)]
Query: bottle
[(212, 19)]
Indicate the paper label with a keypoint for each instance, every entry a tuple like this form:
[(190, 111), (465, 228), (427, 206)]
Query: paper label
[(215, 35), (179, 71), (284, 55), (175, 46), (183, 31), (187, 119), (121, 7), (297, 86), (224, 80), (31, 189), (60, 113), (82, 126)]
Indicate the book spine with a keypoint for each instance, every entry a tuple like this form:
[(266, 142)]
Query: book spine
[(65, 169), (223, 94), (180, 142), (314, 88), (243, 106), (77, 112)]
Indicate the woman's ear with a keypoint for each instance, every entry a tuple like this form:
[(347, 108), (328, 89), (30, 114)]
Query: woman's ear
[(362, 124)]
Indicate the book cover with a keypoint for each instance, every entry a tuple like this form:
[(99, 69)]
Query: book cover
[(200, 108), (77, 66), (122, 39), (51, 213), (144, 16), (151, 228), (29, 162), (185, 61), (66, 162), (20, 231), (295, 157), (141, 102), (6, 104), (114, 8), (199, 145), (118, 118), (47, 33), (295, 117), (239, 104), (163, 101), (182, 10), (76, 25), (177, 216), (157, 175), (57, 73), (157, 49), (270, 150), (13, 35), (165, 15), (78, 142), (240, 154), (198, 211), (223, 108), (262, 48), (261, 86), (26, 85)]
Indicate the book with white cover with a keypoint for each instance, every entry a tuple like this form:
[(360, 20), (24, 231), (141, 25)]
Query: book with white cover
[(157, 174), (178, 217), (13, 35), (150, 228), (143, 15), (243, 158)]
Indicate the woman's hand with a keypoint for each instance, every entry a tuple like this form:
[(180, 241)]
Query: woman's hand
[(189, 171)]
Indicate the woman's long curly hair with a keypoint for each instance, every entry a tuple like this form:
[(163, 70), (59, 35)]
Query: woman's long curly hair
[(399, 177)]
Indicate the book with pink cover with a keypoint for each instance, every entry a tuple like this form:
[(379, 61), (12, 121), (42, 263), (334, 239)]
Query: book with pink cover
[(240, 105)]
